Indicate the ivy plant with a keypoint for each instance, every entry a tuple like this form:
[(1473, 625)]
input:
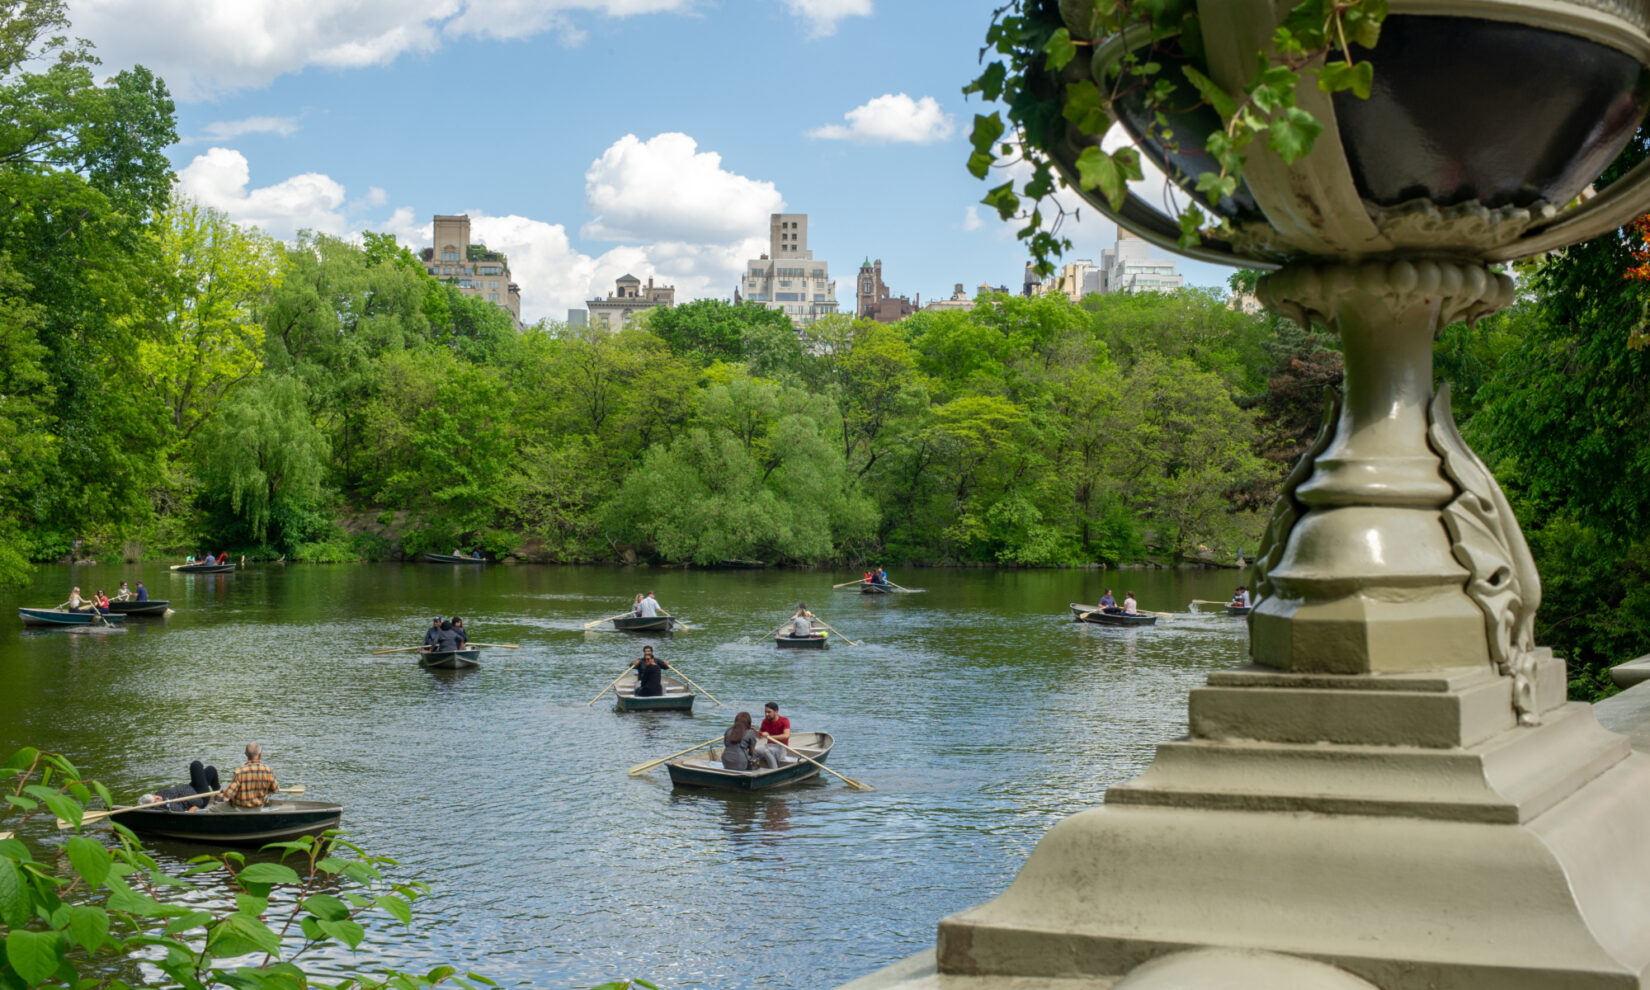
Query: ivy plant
[(1032, 44)]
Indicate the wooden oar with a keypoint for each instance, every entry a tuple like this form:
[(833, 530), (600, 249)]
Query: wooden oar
[(398, 649), (847, 583), (610, 687), (641, 768), (851, 782), (97, 816), (832, 628), (498, 646), (900, 587), (674, 669), (610, 618), (1205, 601), (673, 618)]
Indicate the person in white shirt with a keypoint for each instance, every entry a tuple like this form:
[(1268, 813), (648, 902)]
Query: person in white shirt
[(649, 608), (1129, 607)]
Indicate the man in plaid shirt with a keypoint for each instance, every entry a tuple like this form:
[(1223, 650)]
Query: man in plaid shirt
[(253, 782)]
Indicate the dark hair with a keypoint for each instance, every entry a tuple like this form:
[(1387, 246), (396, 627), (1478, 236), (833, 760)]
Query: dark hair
[(772, 704), (647, 649), (446, 625), (457, 621), (741, 726)]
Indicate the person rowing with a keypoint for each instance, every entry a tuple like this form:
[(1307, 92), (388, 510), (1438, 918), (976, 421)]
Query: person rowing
[(802, 626), (650, 674), (433, 634), (252, 783)]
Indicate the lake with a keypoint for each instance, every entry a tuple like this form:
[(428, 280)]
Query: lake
[(979, 712)]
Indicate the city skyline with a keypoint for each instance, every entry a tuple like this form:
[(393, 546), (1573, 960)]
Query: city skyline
[(580, 165)]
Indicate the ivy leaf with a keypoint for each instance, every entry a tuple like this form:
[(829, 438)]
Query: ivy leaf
[(979, 164), (1060, 50), (1216, 97), (987, 129), (1191, 226), (1292, 133), (990, 83), (89, 858), (1215, 186), (1097, 170), (1086, 108), (1003, 200), (1128, 162), (1338, 76), (34, 955)]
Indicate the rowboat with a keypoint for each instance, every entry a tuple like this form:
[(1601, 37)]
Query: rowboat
[(139, 608), (870, 588), (1092, 613), (222, 825), (645, 623), (449, 659), (815, 642), (707, 771), (447, 558), (64, 617), (677, 697), (1239, 609), (203, 568)]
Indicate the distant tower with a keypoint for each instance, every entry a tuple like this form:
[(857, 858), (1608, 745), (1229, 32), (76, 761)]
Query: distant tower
[(1029, 289)]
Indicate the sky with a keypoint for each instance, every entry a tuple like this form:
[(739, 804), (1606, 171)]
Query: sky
[(589, 139)]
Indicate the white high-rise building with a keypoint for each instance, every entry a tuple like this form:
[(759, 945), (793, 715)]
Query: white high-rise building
[(1128, 267), (788, 278)]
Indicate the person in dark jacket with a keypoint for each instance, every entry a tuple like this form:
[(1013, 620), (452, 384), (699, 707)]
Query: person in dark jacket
[(650, 674), (446, 639), (142, 592), (458, 627), (431, 633)]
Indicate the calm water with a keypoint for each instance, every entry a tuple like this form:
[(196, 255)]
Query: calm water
[(980, 713)]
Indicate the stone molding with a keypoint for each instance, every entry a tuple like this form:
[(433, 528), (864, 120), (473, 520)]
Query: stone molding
[(1310, 293)]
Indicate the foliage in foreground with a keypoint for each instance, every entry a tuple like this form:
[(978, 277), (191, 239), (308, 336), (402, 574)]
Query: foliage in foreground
[(96, 917)]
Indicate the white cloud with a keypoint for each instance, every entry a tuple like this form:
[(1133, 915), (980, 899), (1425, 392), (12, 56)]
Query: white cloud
[(891, 118), (665, 189), (685, 220), (203, 48), (228, 130), (971, 219), (221, 179), (822, 15)]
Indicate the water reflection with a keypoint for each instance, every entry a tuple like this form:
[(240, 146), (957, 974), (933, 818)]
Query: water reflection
[(980, 712)]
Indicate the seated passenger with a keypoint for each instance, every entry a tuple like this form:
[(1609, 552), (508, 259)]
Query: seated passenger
[(1129, 606), (738, 743)]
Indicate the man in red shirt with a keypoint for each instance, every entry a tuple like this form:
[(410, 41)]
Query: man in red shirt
[(775, 728)]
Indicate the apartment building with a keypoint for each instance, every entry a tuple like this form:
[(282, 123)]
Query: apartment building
[(789, 278), (471, 268)]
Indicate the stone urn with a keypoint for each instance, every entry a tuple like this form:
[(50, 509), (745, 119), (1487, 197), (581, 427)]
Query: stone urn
[(1394, 789)]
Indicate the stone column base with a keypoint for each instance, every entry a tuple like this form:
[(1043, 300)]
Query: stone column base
[(1560, 900)]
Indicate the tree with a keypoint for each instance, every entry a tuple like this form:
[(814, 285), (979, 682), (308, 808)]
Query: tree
[(711, 329), (263, 460), (200, 334)]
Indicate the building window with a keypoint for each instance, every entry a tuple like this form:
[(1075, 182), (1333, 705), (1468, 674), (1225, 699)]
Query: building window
[(867, 285), (448, 254), (492, 297)]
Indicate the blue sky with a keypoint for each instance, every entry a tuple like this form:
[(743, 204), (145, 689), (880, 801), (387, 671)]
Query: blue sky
[(590, 138)]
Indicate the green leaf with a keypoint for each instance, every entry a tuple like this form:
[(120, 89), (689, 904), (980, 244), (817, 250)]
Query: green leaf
[(439, 973), (63, 807), (26, 804), (35, 955), (326, 907), (1339, 76), (14, 897), (239, 934), (347, 932), (251, 904), (185, 922), (1292, 133), (979, 164), (987, 129), (1060, 49), (267, 873), (1191, 227), (990, 82), (1003, 200), (400, 909), (311, 927), (1097, 170), (644, 983), (22, 759), (89, 926), (1086, 108), (1211, 92), (481, 979), (89, 857)]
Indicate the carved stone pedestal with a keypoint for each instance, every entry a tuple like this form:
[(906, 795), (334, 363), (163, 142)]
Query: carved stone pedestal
[(1395, 793)]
